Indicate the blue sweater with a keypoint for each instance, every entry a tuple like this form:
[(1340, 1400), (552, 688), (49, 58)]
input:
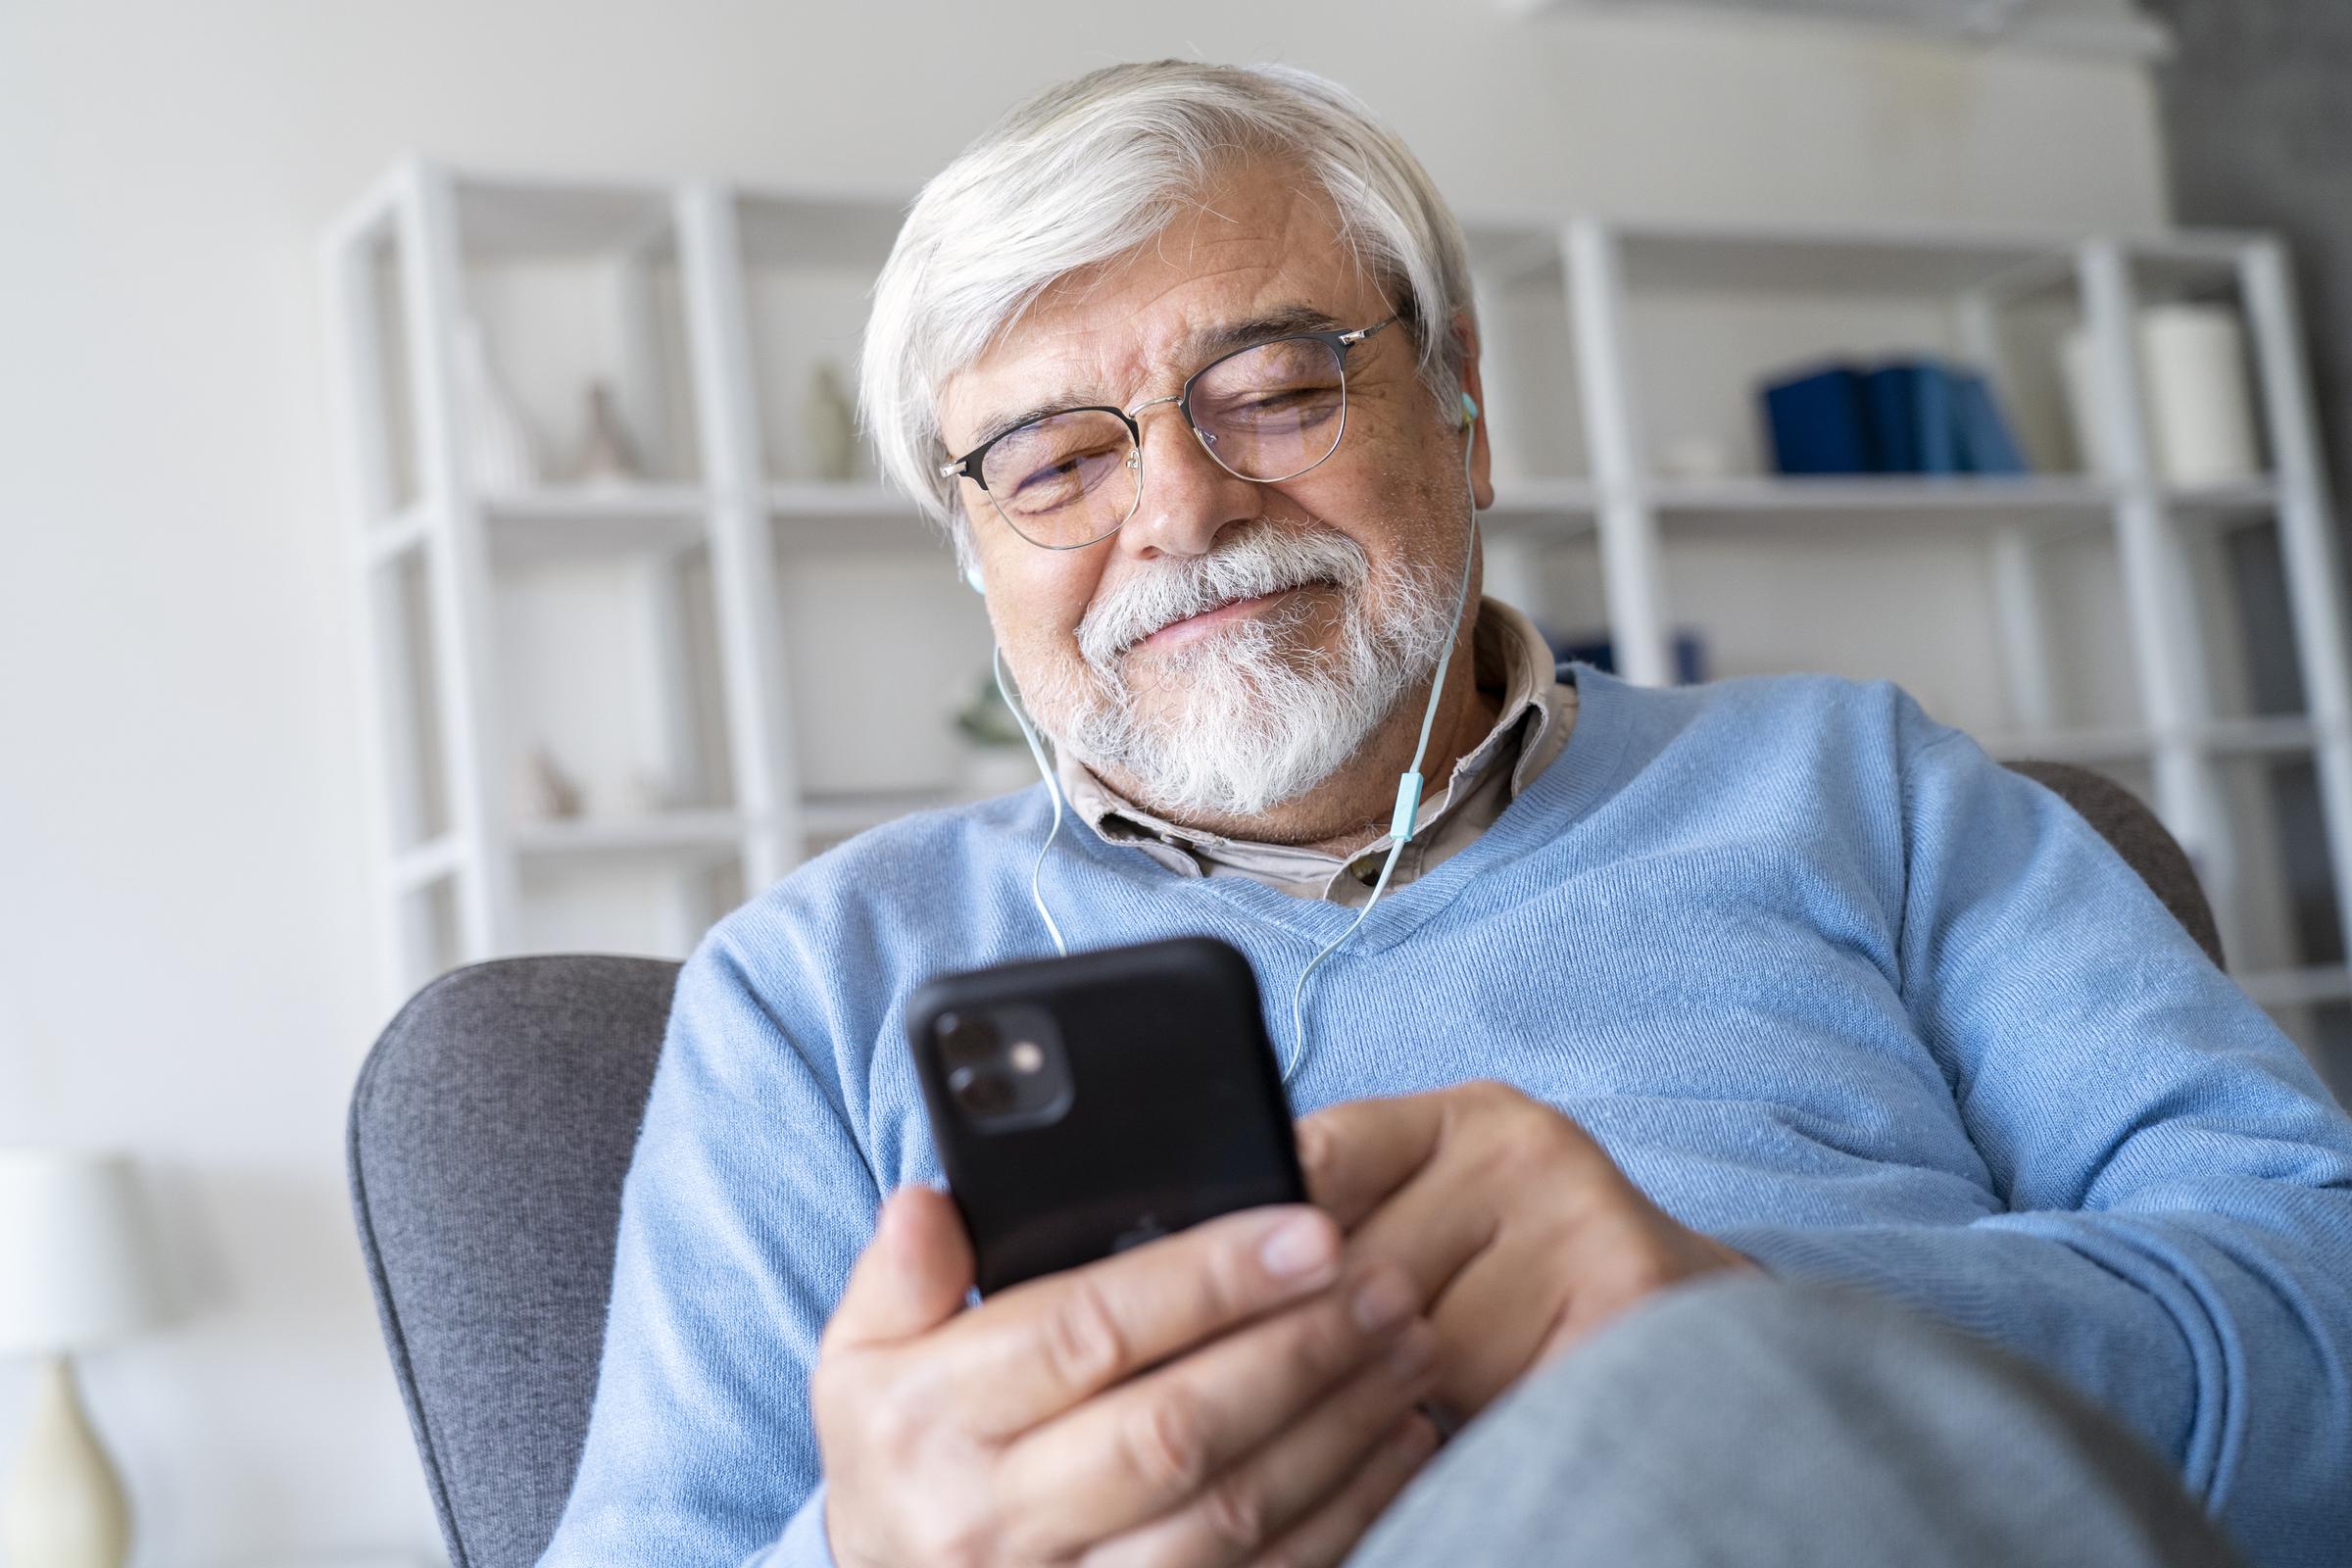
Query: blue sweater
[(1827, 982)]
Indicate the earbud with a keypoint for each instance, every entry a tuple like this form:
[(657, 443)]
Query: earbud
[(971, 579), (1469, 411)]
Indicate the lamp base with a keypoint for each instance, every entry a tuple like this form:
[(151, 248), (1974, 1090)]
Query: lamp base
[(63, 1506)]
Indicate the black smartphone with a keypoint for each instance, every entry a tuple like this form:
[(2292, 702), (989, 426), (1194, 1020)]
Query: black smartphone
[(1081, 1106)]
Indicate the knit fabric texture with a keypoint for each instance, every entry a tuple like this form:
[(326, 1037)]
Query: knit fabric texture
[(1827, 982)]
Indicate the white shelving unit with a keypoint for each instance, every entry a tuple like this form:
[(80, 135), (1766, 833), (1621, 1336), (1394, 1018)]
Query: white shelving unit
[(1601, 274), (742, 578)]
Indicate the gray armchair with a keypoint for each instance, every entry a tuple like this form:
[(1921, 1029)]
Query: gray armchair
[(489, 1133)]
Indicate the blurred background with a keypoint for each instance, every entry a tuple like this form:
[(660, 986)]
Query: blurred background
[(434, 529)]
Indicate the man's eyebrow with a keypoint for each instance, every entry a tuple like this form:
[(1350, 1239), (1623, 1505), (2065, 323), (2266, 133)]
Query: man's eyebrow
[(1279, 322), (1198, 348)]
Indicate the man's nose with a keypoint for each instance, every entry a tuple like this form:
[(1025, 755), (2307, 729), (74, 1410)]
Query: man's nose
[(1189, 497)]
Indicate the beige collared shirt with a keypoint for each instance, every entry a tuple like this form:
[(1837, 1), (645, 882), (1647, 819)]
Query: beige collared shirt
[(1539, 709)]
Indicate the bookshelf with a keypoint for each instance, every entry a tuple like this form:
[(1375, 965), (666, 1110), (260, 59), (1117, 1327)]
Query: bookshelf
[(782, 650)]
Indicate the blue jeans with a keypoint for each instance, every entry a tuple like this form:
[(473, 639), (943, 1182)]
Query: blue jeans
[(1752, 1422)]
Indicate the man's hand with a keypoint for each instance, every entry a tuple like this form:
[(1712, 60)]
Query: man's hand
[(1515, 1226), (1232, 1390)]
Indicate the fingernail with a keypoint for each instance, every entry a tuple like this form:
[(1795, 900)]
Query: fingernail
[(1411, 1354), (1382, 1302), (1299, 1247)]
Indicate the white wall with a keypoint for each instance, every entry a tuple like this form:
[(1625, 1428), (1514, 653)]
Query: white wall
[(184, 923)]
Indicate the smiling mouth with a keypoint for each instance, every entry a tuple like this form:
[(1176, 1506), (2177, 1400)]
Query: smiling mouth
[(1177, 632)]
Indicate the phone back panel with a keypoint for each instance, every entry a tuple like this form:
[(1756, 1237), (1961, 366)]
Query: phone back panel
[(1174, 1110)]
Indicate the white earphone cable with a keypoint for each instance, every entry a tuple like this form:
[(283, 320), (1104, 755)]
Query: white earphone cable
[(1037, 751), (1408, 787)]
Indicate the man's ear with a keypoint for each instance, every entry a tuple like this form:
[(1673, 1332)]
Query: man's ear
[(1465, 337)]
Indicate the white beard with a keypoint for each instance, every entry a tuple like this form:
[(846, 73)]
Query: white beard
[(1246, 721)]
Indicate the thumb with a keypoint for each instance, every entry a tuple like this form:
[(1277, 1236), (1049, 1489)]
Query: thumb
[(912, 1276)]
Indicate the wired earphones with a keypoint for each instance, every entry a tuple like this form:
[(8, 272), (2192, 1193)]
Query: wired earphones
[(1402, 821)]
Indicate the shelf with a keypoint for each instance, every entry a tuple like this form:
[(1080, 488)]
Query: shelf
[(1927, 259), (828, 517), (842, 815), (653, 833), (2051, 503), (556, 523), (2238, 501), (2266, 735), (824, 498), (2084, 748), (2292, 988)]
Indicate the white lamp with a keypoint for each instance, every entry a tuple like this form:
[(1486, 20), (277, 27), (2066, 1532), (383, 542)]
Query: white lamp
[(76, 1270)]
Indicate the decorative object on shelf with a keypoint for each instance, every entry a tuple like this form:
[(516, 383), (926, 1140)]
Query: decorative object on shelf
[(2198, 404), (985, 720), (78, 1270), (504, 456), (1695, 457), (996, 759), (552, 795), (1907, 416), (607, 457), (830, 423)]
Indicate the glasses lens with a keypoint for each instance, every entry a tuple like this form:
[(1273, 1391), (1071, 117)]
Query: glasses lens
[(1273, 411), (1065, 479)]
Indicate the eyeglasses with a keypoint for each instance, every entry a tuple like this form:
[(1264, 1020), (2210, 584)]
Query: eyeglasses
[(1266, 412)]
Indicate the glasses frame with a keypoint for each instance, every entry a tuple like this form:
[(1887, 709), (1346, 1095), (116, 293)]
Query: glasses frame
[(1339, 342)]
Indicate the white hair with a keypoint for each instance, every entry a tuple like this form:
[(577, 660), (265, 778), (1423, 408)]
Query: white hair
[(1085, 171)]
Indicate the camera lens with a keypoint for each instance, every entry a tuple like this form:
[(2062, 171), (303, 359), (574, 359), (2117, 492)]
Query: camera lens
[(982, 1092), (964, 1041)]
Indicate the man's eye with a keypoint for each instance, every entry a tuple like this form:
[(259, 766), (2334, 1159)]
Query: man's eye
[(1304, 403)]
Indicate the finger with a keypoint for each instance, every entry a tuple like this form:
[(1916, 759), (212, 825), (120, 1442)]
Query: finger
[(1031, 1352), (1356, 1153), (1432, 1227), (1487, 1337), (1142, 1450), (1265, 1493), (1327, 1535), (912, 1276)]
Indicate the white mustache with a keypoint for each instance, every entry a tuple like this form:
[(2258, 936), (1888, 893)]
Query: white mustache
[(1263, 561)]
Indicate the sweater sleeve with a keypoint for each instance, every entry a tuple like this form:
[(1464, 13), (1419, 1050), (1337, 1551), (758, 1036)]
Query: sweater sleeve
[(746, 1203), (2178, 1244)]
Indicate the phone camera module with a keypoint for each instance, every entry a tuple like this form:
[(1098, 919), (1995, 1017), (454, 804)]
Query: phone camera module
[(966, 1040), (983, 1093), (1000, 1065)]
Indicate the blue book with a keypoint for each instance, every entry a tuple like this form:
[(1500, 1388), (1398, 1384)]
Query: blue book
[(1817, 422), (1894, 394), (1986, 443), (1690, 654), (1936, 418)]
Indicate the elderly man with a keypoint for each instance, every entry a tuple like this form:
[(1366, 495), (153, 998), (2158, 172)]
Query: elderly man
[(1781, 1134)]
